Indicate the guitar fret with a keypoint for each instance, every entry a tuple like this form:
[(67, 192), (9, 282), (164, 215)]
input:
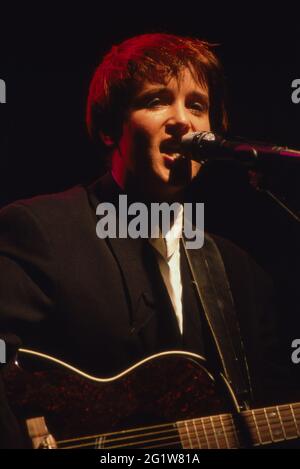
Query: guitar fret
[(281, 423), (288, 422), (197, 434), (205, 434), (276, 426), (269, 427), (228, 426), (237, 441), (219, 431), (230, 431), (188, 434), (224, 432), (262, 427), (251, 429), (210, 433), (183, 435), (215, 433), (256, 427), (265, 427), (294, 417), (296, 408), (202, 433), (193, 434)]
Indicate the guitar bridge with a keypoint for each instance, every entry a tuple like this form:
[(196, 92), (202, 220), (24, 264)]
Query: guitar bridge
[(39, 434)]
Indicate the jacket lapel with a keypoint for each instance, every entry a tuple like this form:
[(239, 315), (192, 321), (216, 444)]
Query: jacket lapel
[(130, 255)]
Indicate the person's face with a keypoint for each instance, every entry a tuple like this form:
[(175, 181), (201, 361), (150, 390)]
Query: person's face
[(160, 114)]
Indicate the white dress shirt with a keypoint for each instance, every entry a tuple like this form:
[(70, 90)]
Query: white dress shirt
[(167, 252)]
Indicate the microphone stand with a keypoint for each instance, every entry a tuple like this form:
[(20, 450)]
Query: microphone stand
[(280, 203)]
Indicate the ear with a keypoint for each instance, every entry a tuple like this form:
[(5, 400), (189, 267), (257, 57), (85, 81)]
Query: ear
[(106, 139)]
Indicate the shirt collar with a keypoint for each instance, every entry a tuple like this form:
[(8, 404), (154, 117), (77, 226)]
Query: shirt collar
[(167, 246)]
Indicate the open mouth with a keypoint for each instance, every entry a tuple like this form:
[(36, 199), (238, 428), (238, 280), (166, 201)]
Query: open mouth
[(173, 156), (171, 151)]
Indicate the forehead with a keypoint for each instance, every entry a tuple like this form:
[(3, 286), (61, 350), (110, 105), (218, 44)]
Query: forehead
[(186, 82)]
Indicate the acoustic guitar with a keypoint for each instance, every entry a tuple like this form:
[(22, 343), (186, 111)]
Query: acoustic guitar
[(168, 400)]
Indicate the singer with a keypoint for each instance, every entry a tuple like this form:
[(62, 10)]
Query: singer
[(112, 302)]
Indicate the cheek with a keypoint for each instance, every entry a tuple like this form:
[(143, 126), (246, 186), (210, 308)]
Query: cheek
[(203, 124), (145, 126), (145, 143), (137, 145)]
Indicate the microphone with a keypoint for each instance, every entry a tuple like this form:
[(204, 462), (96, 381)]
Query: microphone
[(206, 146)]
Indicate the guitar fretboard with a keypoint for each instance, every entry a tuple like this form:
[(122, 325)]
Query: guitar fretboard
[(263, 426)]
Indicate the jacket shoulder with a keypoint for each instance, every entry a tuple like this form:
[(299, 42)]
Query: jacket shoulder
[(49, 208)]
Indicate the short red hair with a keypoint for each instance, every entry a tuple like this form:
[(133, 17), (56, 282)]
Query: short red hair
[(150, 57)]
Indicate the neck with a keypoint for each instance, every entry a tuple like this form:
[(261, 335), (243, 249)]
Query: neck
[(141, 192)]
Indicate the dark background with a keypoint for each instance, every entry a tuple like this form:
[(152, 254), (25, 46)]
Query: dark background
[(48, 58)]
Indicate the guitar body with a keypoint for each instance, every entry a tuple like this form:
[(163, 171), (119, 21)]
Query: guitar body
[(167, 387)]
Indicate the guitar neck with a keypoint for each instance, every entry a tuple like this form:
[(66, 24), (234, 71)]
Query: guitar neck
[(273, 424), (263, 426)]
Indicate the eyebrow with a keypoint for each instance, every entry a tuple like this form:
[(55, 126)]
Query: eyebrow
[(203, 97), (162, 89)]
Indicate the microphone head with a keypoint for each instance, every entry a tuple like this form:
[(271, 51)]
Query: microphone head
[(194, 143), (195, 138)]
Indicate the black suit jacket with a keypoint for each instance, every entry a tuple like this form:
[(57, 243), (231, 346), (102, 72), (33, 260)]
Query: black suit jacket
[(101, 304)]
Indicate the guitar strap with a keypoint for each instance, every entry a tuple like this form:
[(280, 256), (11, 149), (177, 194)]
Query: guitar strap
[(213, 290)]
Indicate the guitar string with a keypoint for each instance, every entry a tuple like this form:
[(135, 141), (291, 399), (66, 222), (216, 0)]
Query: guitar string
[(163, 445), (226, 418), (129, 437), (262, 423), (138, 442), (215, 443), (134, 443), (151, 427), (94, 442), (215, 429), (139, 429), (212, 433)]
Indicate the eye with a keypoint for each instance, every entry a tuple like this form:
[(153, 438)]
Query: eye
[(153, 102), (198, 107)]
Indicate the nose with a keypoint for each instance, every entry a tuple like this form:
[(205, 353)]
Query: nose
[(178, 123)]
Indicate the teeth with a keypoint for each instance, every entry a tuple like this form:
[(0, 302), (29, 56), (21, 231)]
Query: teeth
[(174, 155)]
